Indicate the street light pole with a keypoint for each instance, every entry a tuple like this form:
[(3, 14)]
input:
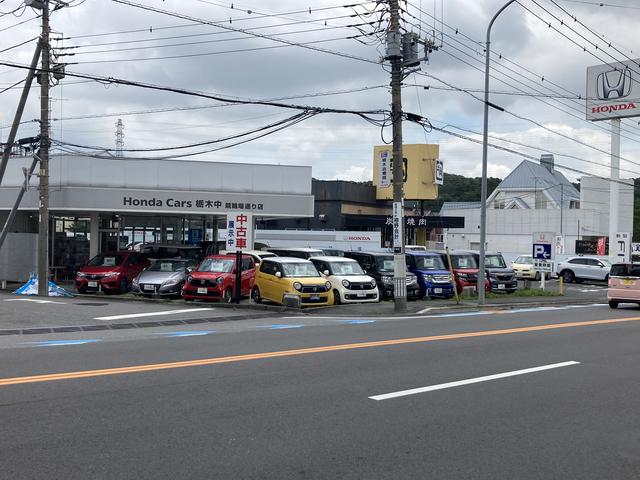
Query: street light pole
[(485, 141)]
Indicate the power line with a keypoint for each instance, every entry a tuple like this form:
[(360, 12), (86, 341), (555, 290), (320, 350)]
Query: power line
[(246, 31)]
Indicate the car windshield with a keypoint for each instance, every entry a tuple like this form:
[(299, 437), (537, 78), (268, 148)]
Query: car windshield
[(220, 265), (300, 269), (524, 260), (346, 268), (385, 263), (431, 262), (169, 266), (494, 261), (463, 261), (106, 261)]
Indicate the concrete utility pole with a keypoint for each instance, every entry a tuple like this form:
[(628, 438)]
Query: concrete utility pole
[(394, 54), (43, 232), (18, 116)]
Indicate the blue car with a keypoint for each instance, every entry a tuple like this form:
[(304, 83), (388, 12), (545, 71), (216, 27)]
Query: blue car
[(433, 277)]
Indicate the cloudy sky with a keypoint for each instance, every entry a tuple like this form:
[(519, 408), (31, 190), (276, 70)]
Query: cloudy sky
[(256, 50)]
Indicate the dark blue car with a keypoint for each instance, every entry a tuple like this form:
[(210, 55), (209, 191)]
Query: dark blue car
[(433, 277)]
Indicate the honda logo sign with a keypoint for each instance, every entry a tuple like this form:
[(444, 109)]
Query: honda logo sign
[(613, 91), (614, 84)]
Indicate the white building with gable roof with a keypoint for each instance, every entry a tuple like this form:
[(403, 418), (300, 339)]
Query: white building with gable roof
[(537, 198)]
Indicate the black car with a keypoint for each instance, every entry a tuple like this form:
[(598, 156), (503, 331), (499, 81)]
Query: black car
[(380, 267), (502, 278)]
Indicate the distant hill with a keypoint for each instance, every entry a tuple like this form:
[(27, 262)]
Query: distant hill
[(458, 188)]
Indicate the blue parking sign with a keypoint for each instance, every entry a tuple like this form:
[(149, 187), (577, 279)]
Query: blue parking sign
[(541, 251)]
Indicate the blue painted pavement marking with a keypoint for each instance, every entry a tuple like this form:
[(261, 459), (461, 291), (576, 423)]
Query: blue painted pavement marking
[(186, 333), (60, 343), (356, 321), (279, 326)]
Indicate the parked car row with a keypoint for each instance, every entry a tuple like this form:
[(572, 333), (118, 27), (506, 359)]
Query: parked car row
[(274, 274)]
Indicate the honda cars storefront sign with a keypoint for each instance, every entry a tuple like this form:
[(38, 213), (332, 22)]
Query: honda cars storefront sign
[(613, 90)]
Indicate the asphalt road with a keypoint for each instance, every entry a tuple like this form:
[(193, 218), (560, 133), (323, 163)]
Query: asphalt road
[(257, 400)]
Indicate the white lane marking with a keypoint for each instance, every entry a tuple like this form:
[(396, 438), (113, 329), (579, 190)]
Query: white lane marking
[(441, 386), (425, 310), (32, 300), (153, 314)]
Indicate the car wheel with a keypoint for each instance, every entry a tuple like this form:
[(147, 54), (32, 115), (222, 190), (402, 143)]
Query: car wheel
[(567, 276), (227, 296), (613, 304), (537, 276), (124, 286), (255, 295), (336, 297)]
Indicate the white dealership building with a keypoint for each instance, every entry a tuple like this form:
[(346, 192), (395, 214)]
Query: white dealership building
[(103, 204), (535, 197)]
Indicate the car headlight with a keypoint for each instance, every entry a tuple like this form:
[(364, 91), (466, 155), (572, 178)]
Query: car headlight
[(219, 280), (81, 275), (428, 278), (297, 286), (373, 283), (171, 281), (327, 285), (413, 280), (345, 283), (135, 282), (189, 279), (111, 274), (388, 280), (462, 275)]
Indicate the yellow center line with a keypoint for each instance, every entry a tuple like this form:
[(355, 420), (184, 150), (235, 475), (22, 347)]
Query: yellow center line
[(300, 351)]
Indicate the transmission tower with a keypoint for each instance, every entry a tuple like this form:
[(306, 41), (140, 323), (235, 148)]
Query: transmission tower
[(119, 137)]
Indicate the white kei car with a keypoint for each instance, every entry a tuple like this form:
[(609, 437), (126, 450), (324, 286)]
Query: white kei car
[(349, 282)]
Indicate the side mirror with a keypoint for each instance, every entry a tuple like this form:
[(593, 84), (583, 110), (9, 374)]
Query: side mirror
[(190, 269), (326, 273), (278, 274), (364, 271)]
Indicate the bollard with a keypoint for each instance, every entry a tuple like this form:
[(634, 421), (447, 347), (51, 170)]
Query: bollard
[(561, 285)]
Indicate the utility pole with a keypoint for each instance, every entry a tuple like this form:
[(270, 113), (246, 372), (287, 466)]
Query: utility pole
[(43, 232), (394, 54)]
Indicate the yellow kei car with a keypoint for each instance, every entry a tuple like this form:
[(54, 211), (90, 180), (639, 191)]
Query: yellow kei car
[(282, 278)]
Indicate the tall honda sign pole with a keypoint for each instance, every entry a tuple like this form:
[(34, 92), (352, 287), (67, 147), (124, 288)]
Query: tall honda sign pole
[(485, 144), (614, 196), (394, 54), (43, 231)]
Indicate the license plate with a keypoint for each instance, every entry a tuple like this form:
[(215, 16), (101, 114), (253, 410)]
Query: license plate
[(315, 297), (149, 287), (437, 290), (361, 294), (627, 281), (92, 284), (501, 286), (202, 290)]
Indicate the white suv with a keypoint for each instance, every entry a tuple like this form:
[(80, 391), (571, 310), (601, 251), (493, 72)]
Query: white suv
[(348, 281), (583, 268)]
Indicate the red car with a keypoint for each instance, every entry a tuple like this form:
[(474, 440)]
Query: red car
[(215, 279), (465, 270), (110, 272)]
